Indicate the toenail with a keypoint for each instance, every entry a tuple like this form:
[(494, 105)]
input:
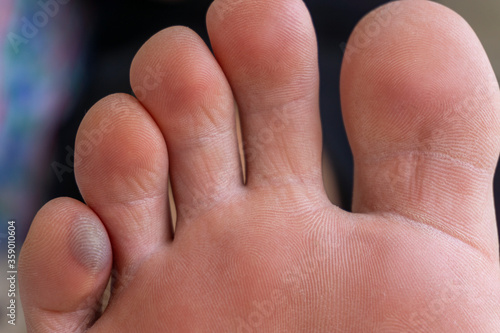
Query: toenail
[(90, 244)]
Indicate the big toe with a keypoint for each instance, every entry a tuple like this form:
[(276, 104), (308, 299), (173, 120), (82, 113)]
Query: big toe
[(421, 107)]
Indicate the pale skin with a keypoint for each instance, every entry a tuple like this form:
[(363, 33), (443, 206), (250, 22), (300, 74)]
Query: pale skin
[(419, 253)]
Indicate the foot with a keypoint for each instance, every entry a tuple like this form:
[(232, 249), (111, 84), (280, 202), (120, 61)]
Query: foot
[(271, 254)]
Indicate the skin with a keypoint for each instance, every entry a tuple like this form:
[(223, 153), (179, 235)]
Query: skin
[(419, 253)]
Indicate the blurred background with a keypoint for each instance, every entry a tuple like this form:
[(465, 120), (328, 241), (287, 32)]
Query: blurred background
[(59, 57)]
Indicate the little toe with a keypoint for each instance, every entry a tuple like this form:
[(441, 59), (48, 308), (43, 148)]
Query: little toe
[(64, 267)]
